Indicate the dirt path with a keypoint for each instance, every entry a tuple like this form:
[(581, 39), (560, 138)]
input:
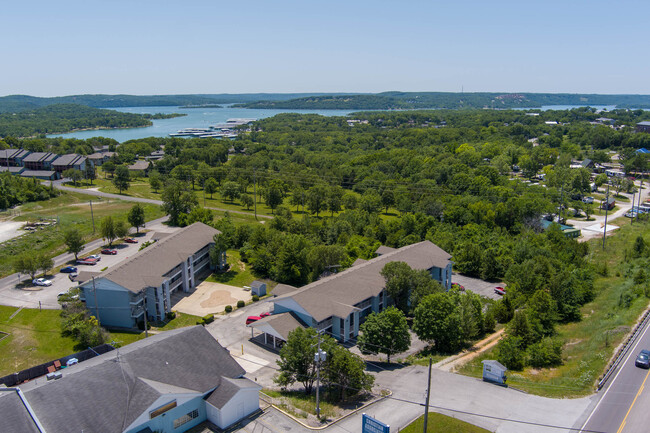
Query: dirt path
[(453, 362)]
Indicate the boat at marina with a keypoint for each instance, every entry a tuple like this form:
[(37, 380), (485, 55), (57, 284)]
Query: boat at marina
[(220, 130)]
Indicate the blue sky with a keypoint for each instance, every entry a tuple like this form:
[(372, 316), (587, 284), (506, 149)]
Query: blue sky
[(201, 46)]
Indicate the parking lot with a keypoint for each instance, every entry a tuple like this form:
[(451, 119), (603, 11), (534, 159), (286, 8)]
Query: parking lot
[(476, 285)]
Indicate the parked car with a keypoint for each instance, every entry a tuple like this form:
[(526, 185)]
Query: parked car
[(588, 200), (95, 257), (499, 290), (251, 319), (263, 315), (109, 251), (69, 269), (41, 282), (130, 241), (643, 359), (89, 262)]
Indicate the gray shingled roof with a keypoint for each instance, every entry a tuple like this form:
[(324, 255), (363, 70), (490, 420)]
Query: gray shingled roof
[(15, 417), (337, 294), (359, 262), (283, 289), (384, 250), (139, 165), (228, 389), (40, 157), (92, 395), (282, 323), (13, 170), (37, 173), (69, 159), (147, 267)]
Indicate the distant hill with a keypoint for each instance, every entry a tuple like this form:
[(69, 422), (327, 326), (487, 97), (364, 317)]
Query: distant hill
[(450, 100), (66, 117), (16, 103)]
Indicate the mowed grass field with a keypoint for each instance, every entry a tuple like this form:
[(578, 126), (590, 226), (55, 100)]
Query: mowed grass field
[(71, 210), (589, 343), (34, 337), (439, 423)]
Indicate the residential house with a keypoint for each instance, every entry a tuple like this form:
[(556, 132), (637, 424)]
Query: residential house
[(13, 157), (587, 163), (169, 382), (643, 126), (12, 170), (40, 161), (98, 158), (71, 160), (642, 150), (156, 155), (120, 295), (140, 165), (339, 303)]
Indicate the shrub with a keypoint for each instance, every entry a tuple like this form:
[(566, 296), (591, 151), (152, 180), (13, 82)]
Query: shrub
[(141, 326), (228, 308), (546, 353), (240, 303), (256, 298), (209, 318), (511, 354), (171, 315)]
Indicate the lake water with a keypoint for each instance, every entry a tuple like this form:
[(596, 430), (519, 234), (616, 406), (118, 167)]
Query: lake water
[(204, 117), (196, 118)]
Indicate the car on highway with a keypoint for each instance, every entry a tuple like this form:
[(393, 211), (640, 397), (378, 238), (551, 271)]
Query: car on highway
[(109, 251), (499, 290), (130, 241), (643, 359), (89, 262), (41, 282), (95, 257), (68, 269), (251, 319)]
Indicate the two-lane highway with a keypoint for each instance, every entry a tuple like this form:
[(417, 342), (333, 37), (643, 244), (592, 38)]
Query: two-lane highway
[(624, 406)]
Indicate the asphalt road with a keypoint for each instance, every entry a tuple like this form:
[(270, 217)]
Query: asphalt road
[(623, 405), (58, 184)]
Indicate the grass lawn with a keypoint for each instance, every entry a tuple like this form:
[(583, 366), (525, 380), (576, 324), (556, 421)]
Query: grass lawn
[(590, 343), (35, 337), (298, 404), (71, 210), (240, 274), (438, 423), (180, 321)]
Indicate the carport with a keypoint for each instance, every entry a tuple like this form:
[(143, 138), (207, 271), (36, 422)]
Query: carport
[(274, 330)]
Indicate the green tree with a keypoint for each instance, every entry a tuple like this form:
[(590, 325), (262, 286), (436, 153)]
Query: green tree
[(334, 199), (211, 186), (200, 214), (406, 286), (91, 172), (74, 241), (218, 251), (386, 332), (246, 200), (177, 201), (387, 199), (344, 373), (323, 257), (297, 198), (350, 201), (26, 263), (273, 196), (155, 181), (108, 168), (600, 180), (74, 174), (437, 321), (370, 202), (230, 190), (45, 263), (121, 229), (317, 198), (136, 217), (107, 229), (122, 178), (511, 353), (297, 358)]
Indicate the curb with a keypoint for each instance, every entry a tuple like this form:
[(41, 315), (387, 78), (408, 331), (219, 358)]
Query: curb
[(327, 425)]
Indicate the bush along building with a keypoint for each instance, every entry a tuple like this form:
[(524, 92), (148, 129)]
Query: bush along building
[(146, 281), (339, 303), (170, 382)]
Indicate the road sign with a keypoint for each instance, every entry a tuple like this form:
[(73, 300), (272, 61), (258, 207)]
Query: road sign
[(371, 425)]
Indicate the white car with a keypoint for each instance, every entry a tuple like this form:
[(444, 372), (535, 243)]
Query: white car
[(41, 282), (95, 257)]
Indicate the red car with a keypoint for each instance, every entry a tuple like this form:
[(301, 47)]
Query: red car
[(263, 315), (109, 252), (251, 319), (130, 241), (90, 262), (499, 290)]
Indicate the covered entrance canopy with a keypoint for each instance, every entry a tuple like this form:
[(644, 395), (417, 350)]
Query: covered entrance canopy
[(275, 328)]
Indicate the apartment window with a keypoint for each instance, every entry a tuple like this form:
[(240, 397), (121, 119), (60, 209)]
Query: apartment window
[(186, 418)]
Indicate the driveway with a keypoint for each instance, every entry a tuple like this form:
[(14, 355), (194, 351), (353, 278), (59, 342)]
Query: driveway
[(476, 285)]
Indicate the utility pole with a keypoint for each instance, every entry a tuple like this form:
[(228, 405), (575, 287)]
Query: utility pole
[(96, 306), (146, 331), (92, 215), (633, 197), (640, 194), (426, 407), (606, 211), (319, 356)]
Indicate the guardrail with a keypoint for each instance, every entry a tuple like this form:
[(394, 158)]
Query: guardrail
[(623, 350)]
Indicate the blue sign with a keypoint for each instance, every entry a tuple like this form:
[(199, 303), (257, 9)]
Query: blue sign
[(371, 425)]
